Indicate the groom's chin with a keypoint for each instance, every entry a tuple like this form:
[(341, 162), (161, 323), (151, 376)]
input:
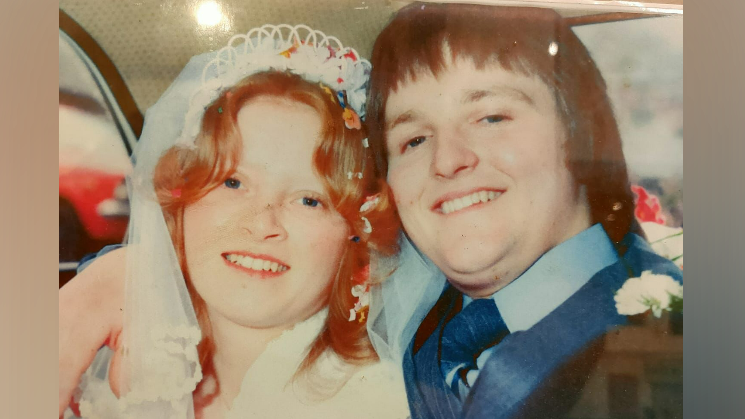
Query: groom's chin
[(470, 254), (478, 286), (473, 273)]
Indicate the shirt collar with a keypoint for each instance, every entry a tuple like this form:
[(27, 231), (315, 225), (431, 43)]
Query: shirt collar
[(553, 278)]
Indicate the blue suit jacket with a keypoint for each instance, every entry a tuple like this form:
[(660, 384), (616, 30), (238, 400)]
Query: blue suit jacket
[(538, 373)]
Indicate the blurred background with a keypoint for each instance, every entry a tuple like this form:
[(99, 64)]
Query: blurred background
[(642, 62)]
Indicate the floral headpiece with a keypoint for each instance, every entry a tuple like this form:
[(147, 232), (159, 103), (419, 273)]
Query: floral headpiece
[(361, 285), (300, 50)]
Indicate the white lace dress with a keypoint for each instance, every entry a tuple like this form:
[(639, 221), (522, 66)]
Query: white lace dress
[(375, 391)]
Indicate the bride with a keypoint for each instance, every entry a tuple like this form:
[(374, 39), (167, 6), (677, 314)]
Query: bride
[(254, 214)]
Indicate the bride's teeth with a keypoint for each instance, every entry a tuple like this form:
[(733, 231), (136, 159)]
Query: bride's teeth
[(255, 264), (492, 195), (483, 196)]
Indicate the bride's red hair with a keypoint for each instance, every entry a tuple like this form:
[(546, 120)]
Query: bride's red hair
[(185, 175)]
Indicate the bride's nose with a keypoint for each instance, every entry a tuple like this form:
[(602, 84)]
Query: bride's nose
[(264, 223)]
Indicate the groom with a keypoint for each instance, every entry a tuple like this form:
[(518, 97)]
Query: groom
[(499, 143)]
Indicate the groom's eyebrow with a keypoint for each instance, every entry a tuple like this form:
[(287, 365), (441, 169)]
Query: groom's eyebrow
[(471, 96), (403, 118)]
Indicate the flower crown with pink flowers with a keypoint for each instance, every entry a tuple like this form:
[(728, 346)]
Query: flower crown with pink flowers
[(300, 50)]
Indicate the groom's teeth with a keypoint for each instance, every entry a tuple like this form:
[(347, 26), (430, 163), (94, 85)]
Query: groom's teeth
[(466, 201), (255, 263)]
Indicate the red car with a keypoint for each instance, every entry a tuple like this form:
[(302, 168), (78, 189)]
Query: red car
[(93, 204), (93, 207)]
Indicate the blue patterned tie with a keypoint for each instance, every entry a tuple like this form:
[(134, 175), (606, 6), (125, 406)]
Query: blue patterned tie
[(477, 327)]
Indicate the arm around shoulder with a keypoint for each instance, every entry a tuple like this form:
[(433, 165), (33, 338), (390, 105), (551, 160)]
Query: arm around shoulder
[(90, 316)]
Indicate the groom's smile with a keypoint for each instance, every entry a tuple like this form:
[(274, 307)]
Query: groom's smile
[(456, 202), (478, 169)]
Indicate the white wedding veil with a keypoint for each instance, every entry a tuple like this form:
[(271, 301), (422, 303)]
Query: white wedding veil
[(160, 366), (400, 303)]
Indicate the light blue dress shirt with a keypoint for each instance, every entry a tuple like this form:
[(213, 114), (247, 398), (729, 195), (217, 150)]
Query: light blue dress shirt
[(550, 281)]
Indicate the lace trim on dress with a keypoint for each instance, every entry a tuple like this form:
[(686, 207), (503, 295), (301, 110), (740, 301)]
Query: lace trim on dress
[(167, 382), (174, 346)]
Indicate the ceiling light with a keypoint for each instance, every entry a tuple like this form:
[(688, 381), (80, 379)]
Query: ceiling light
[(209, 13)]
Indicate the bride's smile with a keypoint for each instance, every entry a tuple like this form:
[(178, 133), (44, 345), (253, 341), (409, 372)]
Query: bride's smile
[(255, 263), (263, 248)]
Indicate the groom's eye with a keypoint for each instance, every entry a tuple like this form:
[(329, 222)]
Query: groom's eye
[(414, 142), (493, 119)]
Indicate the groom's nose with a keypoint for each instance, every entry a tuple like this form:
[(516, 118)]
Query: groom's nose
[(452, 155)]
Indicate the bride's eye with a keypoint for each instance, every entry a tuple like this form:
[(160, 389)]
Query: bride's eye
[(232, 183), (310, 202)]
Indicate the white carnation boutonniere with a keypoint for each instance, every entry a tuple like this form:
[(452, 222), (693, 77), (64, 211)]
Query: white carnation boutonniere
[(649, 291)]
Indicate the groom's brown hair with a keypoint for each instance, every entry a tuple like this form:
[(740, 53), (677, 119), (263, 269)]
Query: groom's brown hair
[(529, 41)]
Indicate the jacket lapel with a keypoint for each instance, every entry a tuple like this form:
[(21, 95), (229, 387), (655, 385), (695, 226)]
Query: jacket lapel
[(539, 372), (429, 396), (525, 361)]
